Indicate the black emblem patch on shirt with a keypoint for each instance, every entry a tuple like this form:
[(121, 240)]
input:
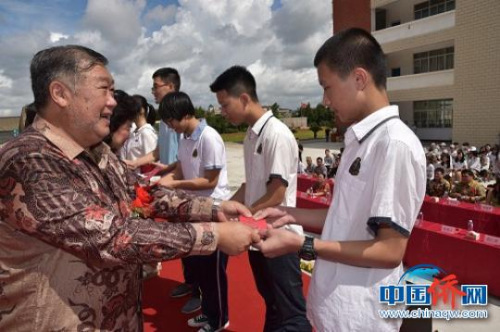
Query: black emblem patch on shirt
[(195, 153), (259, 149), (355, 166)]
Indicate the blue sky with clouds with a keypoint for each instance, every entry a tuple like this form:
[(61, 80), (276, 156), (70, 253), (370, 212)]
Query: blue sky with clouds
[(275, 39)]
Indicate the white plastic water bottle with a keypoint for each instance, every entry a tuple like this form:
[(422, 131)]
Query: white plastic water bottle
[(470, 225), (420, 218)]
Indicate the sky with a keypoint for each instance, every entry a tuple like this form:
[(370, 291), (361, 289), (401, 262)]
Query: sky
[(275, 39)]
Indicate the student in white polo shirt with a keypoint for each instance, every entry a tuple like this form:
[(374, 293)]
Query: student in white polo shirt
[(201, 170), (271, 158), (379, 189)]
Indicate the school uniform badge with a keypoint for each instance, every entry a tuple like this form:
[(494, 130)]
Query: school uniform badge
[(195, 153), (355, 166), (259, 149)]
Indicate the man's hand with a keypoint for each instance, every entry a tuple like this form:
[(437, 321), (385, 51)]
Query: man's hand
[(231, 210), (276, 216), (279, 242), (235, 237)]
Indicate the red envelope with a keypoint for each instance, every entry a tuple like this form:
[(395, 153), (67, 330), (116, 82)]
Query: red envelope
[(257, 224)]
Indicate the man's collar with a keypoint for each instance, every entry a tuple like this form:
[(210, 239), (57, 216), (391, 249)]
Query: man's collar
[(365, 127), (261, 123), (65, 143), (197, 131)]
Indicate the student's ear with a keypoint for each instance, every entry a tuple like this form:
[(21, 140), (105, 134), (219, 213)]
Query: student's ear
[(245, 99), (59, 93), (361, 78)]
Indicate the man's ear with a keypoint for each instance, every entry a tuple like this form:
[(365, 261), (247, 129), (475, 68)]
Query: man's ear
[(59, 93), (361, 78), (245, 99)]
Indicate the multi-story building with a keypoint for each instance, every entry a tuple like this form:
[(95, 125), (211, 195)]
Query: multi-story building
[(443, 61)]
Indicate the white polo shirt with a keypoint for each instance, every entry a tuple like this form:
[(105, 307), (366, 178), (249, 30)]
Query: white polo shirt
[(270, 151), (141, 141), (204, 150), (388, 187)]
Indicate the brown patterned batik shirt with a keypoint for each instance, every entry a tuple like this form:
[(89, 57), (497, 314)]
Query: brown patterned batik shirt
[(70, 252)]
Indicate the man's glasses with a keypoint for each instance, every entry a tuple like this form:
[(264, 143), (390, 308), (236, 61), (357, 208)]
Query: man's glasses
[(156, 87)]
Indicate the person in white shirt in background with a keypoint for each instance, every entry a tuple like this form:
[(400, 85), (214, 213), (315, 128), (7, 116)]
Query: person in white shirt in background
[(271, 158), (143, 139), (378, 193), (200, 170)]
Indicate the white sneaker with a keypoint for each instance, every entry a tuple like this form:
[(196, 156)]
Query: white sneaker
[(208, 328), (198, 321)]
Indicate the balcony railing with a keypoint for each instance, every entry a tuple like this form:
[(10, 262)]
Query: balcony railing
[(416, 28), (418, 81)]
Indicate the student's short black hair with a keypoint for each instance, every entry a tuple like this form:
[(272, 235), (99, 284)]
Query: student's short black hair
[(169, 75), (235, 81), (439, 170), (175, 105), (353, 48)]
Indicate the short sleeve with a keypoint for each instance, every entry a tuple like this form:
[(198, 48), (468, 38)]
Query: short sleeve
[(399, 186), (149, 140), (282, 156), (214, 152)]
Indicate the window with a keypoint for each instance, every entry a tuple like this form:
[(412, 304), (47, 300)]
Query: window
[(433, 113), (395, 72), (432, 7), (433, 60)]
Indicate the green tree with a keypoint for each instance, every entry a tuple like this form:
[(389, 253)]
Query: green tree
[(275, 109), (315, 127)]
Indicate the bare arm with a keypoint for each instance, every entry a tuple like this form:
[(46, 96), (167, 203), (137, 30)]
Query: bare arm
[(148, 158), (275, 193), (208, 181), (386, 250), (239, 195)]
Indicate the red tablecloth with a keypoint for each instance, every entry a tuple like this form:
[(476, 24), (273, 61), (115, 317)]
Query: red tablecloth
[(457, 215), (307, 202), (305, 182), (473, 262)]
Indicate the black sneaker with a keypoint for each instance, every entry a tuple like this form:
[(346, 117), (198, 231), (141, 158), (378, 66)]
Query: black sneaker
[(181, 290), (192, 305)]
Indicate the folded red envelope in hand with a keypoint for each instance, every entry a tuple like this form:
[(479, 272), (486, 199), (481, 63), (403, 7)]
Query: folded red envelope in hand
[(257, 224)]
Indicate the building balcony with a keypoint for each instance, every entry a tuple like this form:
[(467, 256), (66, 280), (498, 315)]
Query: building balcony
[(419, 81), (416, 28)]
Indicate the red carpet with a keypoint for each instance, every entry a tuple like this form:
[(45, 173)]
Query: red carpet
[(246, 307)]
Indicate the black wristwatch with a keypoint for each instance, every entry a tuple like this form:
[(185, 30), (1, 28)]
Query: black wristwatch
[(307, 251)]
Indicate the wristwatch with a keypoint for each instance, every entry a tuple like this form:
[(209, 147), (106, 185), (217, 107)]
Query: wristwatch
[(215, 208), (307, 251)]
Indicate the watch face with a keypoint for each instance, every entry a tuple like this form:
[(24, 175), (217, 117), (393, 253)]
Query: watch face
[(307, 251)]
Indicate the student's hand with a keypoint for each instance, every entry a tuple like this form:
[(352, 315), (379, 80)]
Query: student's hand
[(130, 164), (278, 242), (168, 182), (231, 210), (276, 216), (235, 237)]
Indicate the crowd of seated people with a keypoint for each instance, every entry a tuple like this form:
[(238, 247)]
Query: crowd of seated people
[(463, 172)]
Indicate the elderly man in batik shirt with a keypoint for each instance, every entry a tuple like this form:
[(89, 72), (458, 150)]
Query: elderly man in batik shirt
[(71, 249)]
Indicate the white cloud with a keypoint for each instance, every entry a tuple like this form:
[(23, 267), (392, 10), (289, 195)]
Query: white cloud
[(56, 36), (199, 38), (5, 82), (162, 14)]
